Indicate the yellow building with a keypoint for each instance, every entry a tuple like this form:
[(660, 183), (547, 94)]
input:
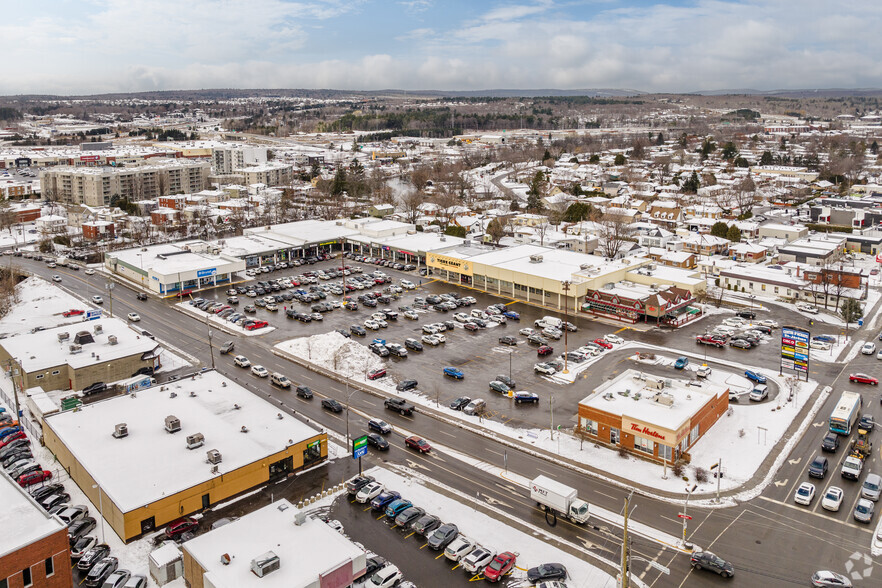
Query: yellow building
[(151, 457)]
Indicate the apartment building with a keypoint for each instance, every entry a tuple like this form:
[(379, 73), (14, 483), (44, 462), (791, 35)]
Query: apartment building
[(270, 174), (96, 186), (226, 159)]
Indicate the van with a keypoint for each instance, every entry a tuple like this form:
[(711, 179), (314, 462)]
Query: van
[(871, 487), (278, 379), (549, 321)]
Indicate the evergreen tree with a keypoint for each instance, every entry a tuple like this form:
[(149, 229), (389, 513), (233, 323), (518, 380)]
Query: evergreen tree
[(734, 234), (660, 140), (729, 151), (874, 148), (851, 311), (766, 158), (619, 160), (577, 212), (338, 185), (719, 229)]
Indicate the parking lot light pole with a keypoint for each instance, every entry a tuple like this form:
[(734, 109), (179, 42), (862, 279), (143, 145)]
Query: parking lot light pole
[(565, 286)]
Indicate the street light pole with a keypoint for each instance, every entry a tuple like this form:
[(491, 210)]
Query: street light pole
[(685, 506), (210, 346), (552, 417), (565, 286)]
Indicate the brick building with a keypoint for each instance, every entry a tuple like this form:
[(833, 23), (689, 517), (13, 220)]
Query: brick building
[(96, 230), (33, 546), (656, 418)]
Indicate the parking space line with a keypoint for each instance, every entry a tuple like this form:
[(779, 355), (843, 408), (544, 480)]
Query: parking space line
[(411, 534), (440, 555), (381, 516), (423, 545), (456, 566)]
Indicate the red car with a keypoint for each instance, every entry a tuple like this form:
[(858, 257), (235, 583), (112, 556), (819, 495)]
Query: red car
[(545, 350), (710, 340), (418, 443), (376, 374), (72, 312), (500, 566), (10, 438), (863, 379), (257, 325), (34, 478), (177, 528), (603, 343)]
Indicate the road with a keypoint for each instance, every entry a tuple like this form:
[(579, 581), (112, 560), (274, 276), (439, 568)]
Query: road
[(770, 540)]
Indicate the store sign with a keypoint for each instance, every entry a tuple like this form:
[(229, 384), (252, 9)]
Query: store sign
[(659, 434), (206, 272), (795, 349), (359, 447), (90, 157), (449, 263)]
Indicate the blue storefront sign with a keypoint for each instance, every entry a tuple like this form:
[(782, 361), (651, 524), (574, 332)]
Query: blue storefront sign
[(206, 272)]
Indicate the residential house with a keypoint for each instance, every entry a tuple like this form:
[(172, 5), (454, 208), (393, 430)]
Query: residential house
[(381, 210), (748, 252), (681, 259), (665, 216), (98, 229), (705, 244)]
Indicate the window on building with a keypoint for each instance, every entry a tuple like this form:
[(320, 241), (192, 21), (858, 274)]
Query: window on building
[(50, 567), (614, 435), (737, 282), (776, 289), (520, 288), (4, 583), (665, 452), (39, 377), (763, 287), (26, 578), (589, 426), (643, 444), (55, 372), (693, 435)]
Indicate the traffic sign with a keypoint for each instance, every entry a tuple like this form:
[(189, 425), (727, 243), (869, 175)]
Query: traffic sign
[(684, 516), (359, 447)]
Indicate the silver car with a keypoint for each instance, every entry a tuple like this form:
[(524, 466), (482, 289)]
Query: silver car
[(871, 488), (863, 511)]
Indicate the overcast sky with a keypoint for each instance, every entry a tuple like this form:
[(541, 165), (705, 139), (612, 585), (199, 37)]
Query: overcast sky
[(96, 46)]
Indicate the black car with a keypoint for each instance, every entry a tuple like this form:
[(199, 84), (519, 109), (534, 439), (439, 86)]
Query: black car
[(426, 524), (80, 527), (818, 467), (101, 571), (93, 556), (141, 296), (705, 560), (406, 385), (40, 493), (332, 405), (379, 349), (372, 564), (377, 441), (357, 330), (746, 314), (830, 442), (379, 426), (508, 340), (507, 381), (54, 500), (94, 388), (345, 333), (303, 392), (442, 536), (357, 483), (867, 423), (460, 403), (14, 446), (409, 516), (549, 571), (413, 344)]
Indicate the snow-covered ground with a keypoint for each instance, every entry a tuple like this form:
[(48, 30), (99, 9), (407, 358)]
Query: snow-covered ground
[(19, 235), (221, 323), (744, 437), (532, 549), (40, 304)]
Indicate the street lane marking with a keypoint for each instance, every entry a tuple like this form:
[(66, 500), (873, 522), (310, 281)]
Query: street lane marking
[(819, 515)]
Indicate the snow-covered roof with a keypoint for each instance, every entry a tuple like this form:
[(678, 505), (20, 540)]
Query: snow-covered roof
[(306, 551), (24, 522), (619, 397), (150, 463), (42, 350)]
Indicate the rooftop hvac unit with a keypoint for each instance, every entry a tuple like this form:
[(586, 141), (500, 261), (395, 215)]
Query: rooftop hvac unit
[(214, 456), (194, 441), (264, 564), (655, 383), (535, 259), (76, 348), (121, 430), (172, 424), (584, 266), (665, 399), (98, 329), (111, 340), (63, 337)]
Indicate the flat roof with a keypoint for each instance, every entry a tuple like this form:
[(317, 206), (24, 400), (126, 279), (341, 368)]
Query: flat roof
[(43, 350), (175, 258), (150, 463), (24, 521), (299, 233), (305, 551), (629, 397)]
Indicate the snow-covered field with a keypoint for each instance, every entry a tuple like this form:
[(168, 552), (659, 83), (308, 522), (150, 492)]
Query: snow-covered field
[(532, 549), (40, 303), (743, 438), (221, 323)]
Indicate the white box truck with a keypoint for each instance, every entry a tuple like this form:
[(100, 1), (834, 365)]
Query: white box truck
[(559, 499)]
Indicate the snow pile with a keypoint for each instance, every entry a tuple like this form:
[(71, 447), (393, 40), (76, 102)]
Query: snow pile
[(333, 351), (40, 304)]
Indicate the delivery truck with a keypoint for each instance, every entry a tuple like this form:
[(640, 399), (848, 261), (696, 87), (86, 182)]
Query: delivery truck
[(552, 496)]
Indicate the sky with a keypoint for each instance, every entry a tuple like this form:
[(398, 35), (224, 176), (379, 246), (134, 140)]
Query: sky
[(98, 46)]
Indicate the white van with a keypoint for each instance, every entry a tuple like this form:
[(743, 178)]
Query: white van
[(278, 379), (549, 321)]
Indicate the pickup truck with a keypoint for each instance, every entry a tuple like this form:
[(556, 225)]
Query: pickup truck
[(851, 467), (399, 405)]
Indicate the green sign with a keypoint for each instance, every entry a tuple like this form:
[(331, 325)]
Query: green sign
[(359, 447)]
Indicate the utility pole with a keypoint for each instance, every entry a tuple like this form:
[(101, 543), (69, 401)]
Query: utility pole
[(552, 417), (109, 287), (626, 572), (210, 346), (565, 286)]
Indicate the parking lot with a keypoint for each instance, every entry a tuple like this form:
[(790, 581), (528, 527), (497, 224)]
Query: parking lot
[(479, 354)]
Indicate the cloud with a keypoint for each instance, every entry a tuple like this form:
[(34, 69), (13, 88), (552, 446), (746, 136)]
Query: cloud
[(670, 46)]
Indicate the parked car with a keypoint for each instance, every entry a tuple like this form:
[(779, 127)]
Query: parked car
[(497, 386), (453, 372), (442, 536), (681, 362), (117, 579), (408, 517), (501, 565), (385, 577), (460, 403), (101, 571), (376, 374), (526, 397), (92, 556), (832, 498), (805, 493), (459, 548), (180, 526), (426, 524), (384, 499), (369, 491), (705, 560), (475, 561), (864, 510), (508, 340), (549, 571), (81, 546), (406, 385)]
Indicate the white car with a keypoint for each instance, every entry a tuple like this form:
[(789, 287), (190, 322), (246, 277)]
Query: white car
[(544, 368), (385, 577), (378, 316), (879, 355), (383, 324), (528, 331), (97, 300), (459, 548), (241, 361), (56, 278), (614, 339), (868, 348), (461, 317), (372, 325), (407, 285), (477, 559), (734, 322), (431, 339), (369, 492), (259, 371), (703, 371), (134, 317), (804, 494), (441, 338), (759, 393), (412, 315), (833, 498), (768, 323), (430, 329), (90, 272), (820, 345), (807, 308)]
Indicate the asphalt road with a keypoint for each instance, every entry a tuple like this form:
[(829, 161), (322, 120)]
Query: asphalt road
[(770, 541)]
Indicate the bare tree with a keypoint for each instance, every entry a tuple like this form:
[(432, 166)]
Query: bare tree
[(410, 202), (615, 231), (745, 196), (447, 200)]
